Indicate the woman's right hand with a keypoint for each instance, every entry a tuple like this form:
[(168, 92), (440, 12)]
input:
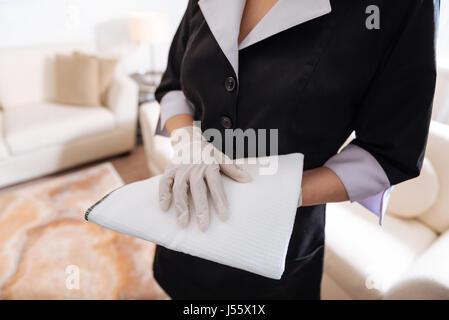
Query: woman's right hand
[(195, 169)]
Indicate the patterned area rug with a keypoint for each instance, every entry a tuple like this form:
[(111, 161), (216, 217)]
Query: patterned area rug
[(48, 251)]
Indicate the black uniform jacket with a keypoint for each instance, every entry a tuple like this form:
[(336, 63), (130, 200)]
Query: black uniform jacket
[(316, 82)]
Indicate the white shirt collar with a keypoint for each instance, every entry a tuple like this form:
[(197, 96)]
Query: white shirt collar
[(224, 16)]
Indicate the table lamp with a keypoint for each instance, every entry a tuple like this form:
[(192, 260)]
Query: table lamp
[(150, 28)]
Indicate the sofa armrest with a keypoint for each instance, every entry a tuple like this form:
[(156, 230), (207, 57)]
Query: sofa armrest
[(3, 150), (438, 153), (428, 277), (157, 148), (122, 99), (149, 118), (2, 134)]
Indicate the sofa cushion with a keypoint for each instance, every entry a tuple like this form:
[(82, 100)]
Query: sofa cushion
[(428, 277), (365, 258), (43, 124), (77, 80), (414, 197), (106, 71), (26, 74)]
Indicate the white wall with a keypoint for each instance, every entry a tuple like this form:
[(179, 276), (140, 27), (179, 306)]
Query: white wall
[(28, 22), (37, 22)]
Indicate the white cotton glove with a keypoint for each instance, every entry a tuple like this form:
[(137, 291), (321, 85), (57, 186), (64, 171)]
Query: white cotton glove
[(196, 168)]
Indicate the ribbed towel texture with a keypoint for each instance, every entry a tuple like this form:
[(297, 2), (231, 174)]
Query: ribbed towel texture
[(255, 237)]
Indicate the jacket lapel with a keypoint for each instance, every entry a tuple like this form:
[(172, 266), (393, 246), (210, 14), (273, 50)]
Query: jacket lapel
[(224, 16)]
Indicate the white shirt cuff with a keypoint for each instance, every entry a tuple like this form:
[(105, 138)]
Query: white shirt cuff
[(363, 177), (172, 104)]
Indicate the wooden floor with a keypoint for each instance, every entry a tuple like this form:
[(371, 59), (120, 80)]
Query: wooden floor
[(130, 166)]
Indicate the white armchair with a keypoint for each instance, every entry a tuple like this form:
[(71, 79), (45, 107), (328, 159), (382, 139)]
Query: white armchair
[(157, 148), (406, 258), (441, 101), (121, 99), (3, 149)]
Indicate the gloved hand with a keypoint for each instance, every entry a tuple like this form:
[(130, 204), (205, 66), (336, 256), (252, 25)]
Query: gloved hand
[(196, 167)]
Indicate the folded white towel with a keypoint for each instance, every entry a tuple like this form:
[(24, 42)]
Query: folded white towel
[(254, 238)]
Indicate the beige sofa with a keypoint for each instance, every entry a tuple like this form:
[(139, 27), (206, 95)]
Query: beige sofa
[(37, 136)]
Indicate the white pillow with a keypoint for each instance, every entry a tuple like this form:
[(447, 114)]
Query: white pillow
[(414, 197)]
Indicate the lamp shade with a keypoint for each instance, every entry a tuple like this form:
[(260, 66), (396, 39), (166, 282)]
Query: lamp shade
[(150, 27)]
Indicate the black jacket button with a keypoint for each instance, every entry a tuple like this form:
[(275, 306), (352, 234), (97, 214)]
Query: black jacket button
[(230, 84), (226, 122)]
